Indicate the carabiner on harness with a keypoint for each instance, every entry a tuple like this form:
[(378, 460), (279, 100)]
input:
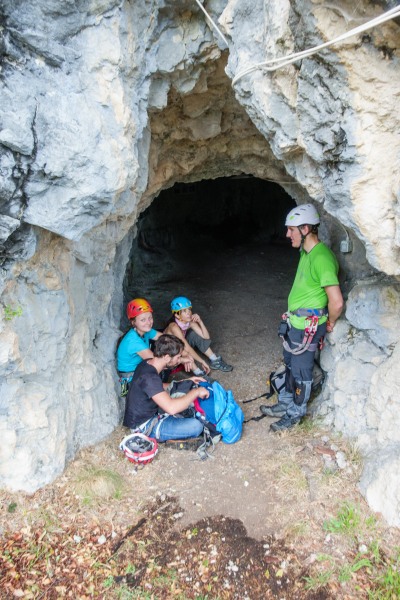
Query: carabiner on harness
[(284, 325), (309, 332), (124, 380)]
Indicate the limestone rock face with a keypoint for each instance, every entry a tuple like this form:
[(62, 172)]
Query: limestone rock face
[(104, 104)]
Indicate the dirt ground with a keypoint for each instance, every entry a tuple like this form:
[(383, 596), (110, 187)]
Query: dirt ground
[(272, 516)]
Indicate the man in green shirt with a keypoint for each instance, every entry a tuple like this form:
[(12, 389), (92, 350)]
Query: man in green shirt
[(315, 302)]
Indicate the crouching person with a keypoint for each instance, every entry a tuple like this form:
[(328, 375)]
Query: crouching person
[(149, 408)]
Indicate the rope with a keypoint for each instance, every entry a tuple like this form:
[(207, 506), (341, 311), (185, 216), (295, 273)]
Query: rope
[(277, 63), (283, 61), (212, 22)]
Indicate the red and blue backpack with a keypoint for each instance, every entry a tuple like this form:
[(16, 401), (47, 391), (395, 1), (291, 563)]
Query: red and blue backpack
[(220, 413)]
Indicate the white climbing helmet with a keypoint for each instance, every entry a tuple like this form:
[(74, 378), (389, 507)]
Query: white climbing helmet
[(304, 214), (138, 448)]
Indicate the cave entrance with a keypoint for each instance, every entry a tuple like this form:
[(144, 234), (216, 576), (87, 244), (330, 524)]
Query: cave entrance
[(221, 243)]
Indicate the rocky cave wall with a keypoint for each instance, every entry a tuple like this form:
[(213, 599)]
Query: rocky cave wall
[(104, 104)]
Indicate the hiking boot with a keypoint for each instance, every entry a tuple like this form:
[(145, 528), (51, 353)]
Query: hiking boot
[(284, 423), (186, 444), (276, 410), (219, 365)]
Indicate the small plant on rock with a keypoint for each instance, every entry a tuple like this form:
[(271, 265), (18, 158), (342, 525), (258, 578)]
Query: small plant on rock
[(10, 313)]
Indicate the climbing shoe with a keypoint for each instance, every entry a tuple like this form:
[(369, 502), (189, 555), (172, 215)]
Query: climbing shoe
[(186, 444), (220, 365), (276, 410), (284, 423)]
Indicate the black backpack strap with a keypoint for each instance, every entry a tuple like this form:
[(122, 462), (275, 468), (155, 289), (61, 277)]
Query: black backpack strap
[(255, 418), (266, 395)]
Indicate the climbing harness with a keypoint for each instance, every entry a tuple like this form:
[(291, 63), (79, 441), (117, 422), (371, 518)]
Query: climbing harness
[(311, 326), (206, 449), (310, 312), (309, 332), (124, 380)]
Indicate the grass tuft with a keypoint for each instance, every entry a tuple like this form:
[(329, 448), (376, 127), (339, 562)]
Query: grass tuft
[(292, 479), (300, 529), (347, 522), (95, 484), (386, 585), (318, 580)]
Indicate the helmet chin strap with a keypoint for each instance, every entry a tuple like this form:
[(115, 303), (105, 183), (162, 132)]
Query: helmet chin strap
[(303, 235)]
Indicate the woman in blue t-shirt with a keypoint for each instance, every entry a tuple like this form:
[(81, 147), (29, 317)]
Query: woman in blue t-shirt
[(135, 344)]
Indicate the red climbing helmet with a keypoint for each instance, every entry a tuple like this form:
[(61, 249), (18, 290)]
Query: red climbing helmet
[(137, 307), (138, 448)]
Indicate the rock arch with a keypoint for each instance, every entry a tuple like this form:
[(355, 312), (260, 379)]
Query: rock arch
[(109, 104)]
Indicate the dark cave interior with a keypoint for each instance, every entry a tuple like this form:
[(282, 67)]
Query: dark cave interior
[(188, 227)]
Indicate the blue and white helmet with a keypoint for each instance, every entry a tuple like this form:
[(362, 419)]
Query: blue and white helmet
[(304, 214), (179, 303)]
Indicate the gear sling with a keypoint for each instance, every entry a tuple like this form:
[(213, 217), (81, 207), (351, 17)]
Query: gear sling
[(312, 317)]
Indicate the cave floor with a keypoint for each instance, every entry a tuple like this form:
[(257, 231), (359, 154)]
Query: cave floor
[(272, 516)]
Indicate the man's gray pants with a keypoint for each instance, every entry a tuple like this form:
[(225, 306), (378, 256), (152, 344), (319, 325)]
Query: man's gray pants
[(299, 372)]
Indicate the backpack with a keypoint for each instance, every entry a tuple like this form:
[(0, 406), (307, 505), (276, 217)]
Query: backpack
[(276, 380), (220, 413)]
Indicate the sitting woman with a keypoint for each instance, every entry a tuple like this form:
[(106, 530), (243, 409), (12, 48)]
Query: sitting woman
[(135, 344), (190, 328)]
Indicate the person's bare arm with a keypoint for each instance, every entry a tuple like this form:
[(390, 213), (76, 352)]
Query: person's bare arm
[(187, 361), (172, 406), (144, 354), (335, 305), (175, 330), (198, 326)]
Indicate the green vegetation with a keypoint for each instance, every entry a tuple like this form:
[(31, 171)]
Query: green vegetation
[(95, 484), (386, 583), (346, 571), (12, 507), (10, 313), (347, 522), (318, 580), (298, 530), (309, 424), (380, 579)]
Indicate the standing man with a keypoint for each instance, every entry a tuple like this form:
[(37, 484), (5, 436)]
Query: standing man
[(315, 303)]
